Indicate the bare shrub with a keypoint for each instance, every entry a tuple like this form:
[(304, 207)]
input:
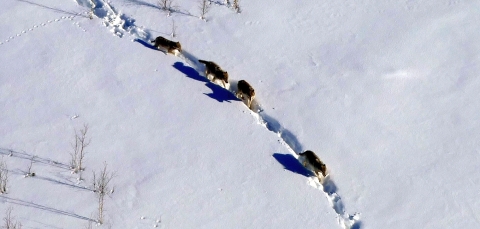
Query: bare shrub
[(92, 4), (167, 6), (174, 30), (90, 14), (91, 11), (204, 8), (9, 221), (78, 153), (236, 6), (101, 187), (29, 172), (3, 176), (89, 225)]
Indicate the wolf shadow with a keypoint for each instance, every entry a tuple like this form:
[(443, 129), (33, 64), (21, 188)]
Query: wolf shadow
[(146, 44), (291, 164), (218, 93)]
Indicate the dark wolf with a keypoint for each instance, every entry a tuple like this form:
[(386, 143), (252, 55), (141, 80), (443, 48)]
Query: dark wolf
[(311, 161), (170, 46), (245, 91), (211, 68)]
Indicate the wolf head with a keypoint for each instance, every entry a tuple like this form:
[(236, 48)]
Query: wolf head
[(252, 92), (225, 76), (178, 46), (323, 169)]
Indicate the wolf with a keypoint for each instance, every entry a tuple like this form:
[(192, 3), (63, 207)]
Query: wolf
[(211, 68), (245, 90), (170, 46), (311, 161)]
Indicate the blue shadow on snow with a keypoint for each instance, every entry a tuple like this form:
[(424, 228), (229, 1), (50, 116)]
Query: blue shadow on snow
[(142, 3), (357, 225), (218, 93), (146, 44), (189, 72), (287, 136), (291, 163)]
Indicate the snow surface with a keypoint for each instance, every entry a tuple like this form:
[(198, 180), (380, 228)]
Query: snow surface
[(385, 92)]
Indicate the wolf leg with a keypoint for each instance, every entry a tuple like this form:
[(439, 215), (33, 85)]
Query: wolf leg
[(317, 174)]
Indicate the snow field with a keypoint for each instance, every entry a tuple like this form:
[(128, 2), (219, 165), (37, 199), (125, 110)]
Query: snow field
[(383, 91)]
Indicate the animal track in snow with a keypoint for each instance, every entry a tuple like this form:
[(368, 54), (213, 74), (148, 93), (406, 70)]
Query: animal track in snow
[(155, 222), (117, 22), (43, 24), (120, 24), (290, 141)]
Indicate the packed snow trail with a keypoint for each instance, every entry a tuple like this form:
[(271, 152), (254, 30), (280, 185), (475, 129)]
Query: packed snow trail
[(290, 141), (328, 187), (120, 24)]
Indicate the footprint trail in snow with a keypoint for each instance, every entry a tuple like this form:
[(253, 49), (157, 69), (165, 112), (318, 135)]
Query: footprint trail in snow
[(119, 24), (42, 25), (290, 141)]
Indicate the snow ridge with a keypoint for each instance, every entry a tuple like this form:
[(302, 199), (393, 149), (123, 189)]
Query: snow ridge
[(120, 24)]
